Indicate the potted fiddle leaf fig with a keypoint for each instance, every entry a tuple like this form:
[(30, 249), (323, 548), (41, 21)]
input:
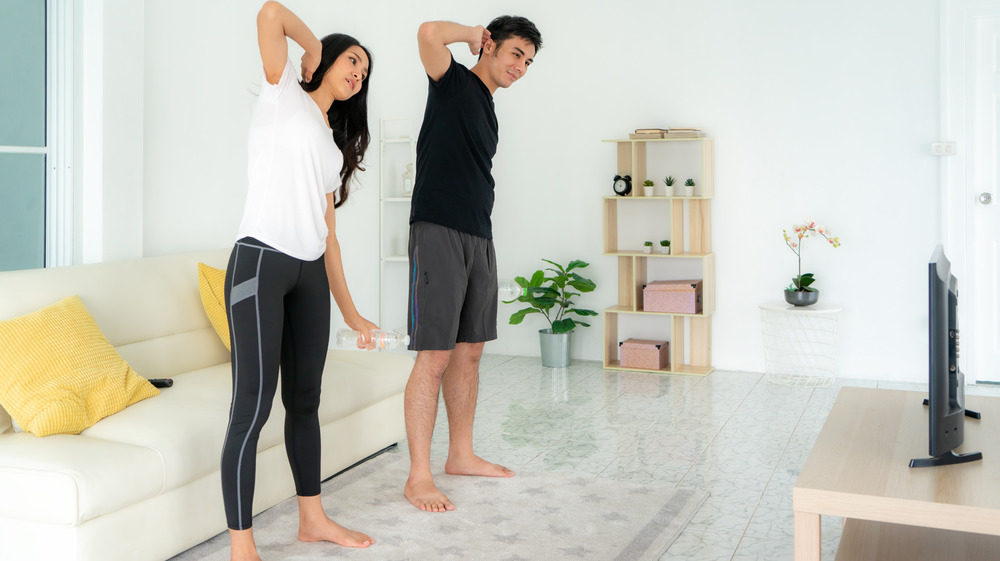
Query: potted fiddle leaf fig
[(552, 297)]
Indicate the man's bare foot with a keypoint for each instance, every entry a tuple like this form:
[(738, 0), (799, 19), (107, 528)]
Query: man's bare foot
[(476, 466), (330, 531), (424, 495)]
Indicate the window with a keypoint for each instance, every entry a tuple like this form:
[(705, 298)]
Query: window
[(34, 102)]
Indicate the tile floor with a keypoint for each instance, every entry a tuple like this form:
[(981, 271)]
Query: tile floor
[(733, 434)]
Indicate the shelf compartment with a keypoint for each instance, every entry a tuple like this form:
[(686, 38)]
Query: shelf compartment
[(626, 310), (632, 161), (655, 255), (682, 369), (699, 347), (697, 229)]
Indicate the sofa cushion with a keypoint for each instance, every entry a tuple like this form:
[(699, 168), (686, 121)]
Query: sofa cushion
[(68, 479), (212, 285), (59, 374)]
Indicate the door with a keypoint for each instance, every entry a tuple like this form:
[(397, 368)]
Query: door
[(980, 302)]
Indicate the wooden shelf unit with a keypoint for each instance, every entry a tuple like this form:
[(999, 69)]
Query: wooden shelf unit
[(694, 232)]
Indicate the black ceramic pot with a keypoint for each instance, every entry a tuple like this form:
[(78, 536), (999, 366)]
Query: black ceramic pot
[(797, 298)]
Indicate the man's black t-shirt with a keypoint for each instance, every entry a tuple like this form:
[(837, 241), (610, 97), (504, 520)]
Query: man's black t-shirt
[(458, 138)]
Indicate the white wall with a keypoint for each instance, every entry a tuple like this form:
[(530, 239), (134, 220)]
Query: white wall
[(108, 127), (819, 110)]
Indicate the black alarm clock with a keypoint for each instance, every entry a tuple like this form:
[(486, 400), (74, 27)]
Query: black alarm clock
[(623, 185)]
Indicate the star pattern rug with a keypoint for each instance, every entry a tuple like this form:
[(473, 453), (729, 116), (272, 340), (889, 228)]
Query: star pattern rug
[(529, 517)]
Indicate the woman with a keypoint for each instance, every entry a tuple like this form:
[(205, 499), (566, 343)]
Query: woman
[(306, 141)]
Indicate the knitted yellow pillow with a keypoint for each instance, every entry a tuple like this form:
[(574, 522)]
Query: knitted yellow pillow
[(59, 375), (212, 285)]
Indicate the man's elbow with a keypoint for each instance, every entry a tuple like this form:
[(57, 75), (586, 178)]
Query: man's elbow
[(427, 33)]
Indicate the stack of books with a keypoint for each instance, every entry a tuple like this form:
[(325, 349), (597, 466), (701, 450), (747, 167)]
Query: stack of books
[(672, 132)]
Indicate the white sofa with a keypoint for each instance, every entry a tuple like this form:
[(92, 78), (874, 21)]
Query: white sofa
[(144, 484)]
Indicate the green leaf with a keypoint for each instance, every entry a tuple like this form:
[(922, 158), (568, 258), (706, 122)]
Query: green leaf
[(576, 264), (582, 312), (582, 284), (560, 267), (563, 326), (518, 316), (537, 278)]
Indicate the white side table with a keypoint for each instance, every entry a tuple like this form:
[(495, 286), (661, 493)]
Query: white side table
[(800, 343)]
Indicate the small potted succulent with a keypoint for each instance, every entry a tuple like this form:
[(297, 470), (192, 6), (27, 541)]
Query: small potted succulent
[(647, 247), (689, 187), (665, 247), (647, 188), (669, 182)]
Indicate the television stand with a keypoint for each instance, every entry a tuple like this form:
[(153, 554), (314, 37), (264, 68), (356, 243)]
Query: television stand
[(968, 412), (858, 470), (948, 459)]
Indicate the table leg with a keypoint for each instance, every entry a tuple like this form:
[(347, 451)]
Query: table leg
[(808, 546)]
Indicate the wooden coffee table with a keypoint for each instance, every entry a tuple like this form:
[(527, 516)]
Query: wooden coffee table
[(859, 470)]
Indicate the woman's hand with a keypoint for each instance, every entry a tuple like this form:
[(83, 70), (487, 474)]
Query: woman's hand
[(364, 329), (310, 62)]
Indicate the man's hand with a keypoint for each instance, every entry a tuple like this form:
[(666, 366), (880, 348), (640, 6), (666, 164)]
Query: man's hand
[(480, 36)]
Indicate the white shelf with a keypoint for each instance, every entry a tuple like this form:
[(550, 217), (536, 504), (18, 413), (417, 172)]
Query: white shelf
[(396, 151)]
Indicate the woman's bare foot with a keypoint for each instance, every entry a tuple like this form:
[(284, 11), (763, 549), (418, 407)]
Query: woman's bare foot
[(330, 531), (242, 546), (423, 494), (316, 526), (475, 465)]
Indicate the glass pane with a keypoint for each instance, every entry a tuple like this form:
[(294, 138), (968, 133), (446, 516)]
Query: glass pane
[(22, 66), (22, 211)]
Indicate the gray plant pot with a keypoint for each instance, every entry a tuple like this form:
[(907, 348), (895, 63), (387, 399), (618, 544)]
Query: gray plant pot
[(555, 348), (796, 298)]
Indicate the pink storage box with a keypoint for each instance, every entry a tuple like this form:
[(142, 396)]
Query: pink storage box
[(643, 353), (675, 297)]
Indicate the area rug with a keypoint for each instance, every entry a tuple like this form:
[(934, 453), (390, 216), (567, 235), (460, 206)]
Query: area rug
[(532, 516)]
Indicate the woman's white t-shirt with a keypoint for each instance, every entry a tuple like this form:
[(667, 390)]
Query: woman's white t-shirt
[(293, 164)]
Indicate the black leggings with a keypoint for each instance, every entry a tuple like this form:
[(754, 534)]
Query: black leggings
[(279, 313)]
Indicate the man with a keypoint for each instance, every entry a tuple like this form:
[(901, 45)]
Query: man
[(453, 282)]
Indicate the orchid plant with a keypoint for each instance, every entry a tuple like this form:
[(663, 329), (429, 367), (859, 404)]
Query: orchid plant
[(794, 242)]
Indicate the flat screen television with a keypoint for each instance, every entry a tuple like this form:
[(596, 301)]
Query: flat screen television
[(946, 383)]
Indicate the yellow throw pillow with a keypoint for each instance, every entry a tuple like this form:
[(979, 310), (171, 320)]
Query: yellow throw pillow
[(212, 284), (59, 374)]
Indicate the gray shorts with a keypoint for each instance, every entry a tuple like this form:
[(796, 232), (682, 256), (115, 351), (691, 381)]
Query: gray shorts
[(453, 288)]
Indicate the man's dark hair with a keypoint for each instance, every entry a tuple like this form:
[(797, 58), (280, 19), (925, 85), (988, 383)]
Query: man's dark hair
[(505, 27)]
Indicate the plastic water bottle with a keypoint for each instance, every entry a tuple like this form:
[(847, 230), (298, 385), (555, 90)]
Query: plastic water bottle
[(382, 339), (510, 290)]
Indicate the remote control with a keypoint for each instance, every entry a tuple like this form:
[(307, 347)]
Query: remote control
[(161, 382)]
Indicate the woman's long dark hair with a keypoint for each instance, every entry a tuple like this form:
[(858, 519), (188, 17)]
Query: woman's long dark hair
[(348, 119)]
